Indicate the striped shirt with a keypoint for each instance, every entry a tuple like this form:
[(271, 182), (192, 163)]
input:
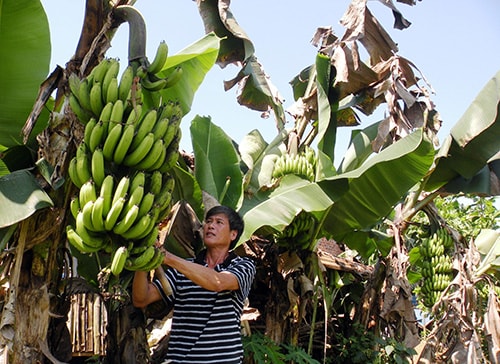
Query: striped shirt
[(206, 325)]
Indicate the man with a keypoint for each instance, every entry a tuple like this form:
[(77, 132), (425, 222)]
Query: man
[(208, 294)]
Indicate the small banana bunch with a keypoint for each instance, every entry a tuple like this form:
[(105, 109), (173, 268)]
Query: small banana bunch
[(298, 235), (435, 266), (302, 164), (121, 168), (149, 74)]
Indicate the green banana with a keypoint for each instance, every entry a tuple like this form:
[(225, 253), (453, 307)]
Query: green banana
[(157, 151), (74, 83), (171, 132), (87, 192), (117, 111), (128, 220), (171, 157), (111, 73), (97, 167), (135, 196), (125, 83), (106, 192), (160, 58), (112, 91), (86, 215), (160, 128), (159, 161), (83, 163), (81, 114), (96, 103), (155, 182), (84, 94), (174, 77), (138, 153), (114, 214), (135, 115), (140, 228), (155, 262), (136, 263), (153, 84), (97, 135), (150, 239), (74, 206), (124, 143), (97, 214), (99, 71), (92, 239), (145, 127), (88, 130), (122, 189), (138, 179), (105, 115), (146, 203), (111, 141), (73, 175), (75, 240), (118, 260)]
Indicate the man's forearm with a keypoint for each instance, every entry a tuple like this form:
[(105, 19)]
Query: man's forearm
[(140, 289), (203, 276)]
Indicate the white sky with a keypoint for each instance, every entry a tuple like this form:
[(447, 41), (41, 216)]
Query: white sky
[(454, 43)]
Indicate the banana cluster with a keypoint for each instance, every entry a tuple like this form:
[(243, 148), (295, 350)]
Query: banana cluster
[(122, 167), (435, 266), (298, 235), (149, 74), (302, 164)]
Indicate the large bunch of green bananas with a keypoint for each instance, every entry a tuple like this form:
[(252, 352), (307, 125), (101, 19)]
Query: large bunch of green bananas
[(122, 166), (302, 164), (298, 235), (435, 266)]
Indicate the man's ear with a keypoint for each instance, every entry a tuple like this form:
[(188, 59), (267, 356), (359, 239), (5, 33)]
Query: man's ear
[(234, 234)]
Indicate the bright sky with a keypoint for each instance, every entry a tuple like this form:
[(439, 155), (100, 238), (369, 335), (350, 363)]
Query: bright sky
[(454, 43)]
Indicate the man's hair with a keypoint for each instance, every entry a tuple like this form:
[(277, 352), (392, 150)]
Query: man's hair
[(235, 220)]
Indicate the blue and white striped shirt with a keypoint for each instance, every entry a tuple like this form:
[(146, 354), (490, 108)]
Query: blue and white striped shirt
[(206, 325)]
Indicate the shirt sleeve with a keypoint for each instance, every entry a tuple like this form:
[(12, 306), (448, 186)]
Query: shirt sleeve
[(171, 276), (244, 270)]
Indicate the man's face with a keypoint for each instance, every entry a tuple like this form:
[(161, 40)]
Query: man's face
[(216, 231)]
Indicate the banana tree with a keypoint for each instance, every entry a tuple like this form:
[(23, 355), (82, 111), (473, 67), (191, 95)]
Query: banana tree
[(40, 262)]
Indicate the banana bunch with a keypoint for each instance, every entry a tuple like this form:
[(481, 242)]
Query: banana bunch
[(435, 266), (122, 166), (302, 164), (123, 212), (298, 235), (90, 95)]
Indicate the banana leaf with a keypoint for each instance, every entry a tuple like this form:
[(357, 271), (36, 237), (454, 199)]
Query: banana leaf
[(20, 197), (217, 163), (353, 202), (24, 60), (378, 185), (473, 143)]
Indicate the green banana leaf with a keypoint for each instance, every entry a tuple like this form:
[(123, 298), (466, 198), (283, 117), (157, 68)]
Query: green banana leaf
[(196, 60), (24, 60), (188, 189), (351, 202), (378, 185), (488, 245), (259, 158), (20, 197), (217, 163), (471, 145), (274, 210)]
